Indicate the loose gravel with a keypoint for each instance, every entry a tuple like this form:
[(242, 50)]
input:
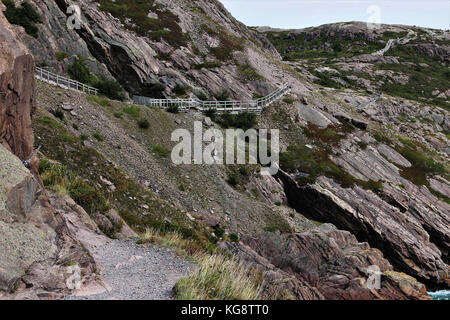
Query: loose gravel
[(134, 272)]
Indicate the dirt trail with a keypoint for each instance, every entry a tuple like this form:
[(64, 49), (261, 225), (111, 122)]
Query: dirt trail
[(132, 272)]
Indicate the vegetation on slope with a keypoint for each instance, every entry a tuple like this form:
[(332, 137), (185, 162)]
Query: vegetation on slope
[(134, 14), (25, 16), (220, 277)]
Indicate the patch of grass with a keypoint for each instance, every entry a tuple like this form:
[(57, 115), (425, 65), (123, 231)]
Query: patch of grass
[(67, 137), (219, 278), (98, 136), (332, 134), (134, 15), (133, 111), (422, 166), (288, 100), (102, 101), (50, 122), (61, 55), (56, 177), (228, 44), (247, 73), (160, 150)]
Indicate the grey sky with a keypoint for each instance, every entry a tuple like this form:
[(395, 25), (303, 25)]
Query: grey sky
[(307, 13)]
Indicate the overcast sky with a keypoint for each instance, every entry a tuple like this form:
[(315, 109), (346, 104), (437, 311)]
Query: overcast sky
[(307, 13)]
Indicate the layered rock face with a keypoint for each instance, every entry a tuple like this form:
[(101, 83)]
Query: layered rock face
[(138, 61), (16, 91), (324, 263)]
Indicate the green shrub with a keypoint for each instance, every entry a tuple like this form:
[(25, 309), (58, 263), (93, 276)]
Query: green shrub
[(232, 180), (223, 95), (88, 197), (143, 123), (25, 16), (61, 55), (110, 88), (249, 74), (202, 96), (58, 113), (79, 71), (98, 136), (179, 90), (104, 102), (211, 113), (234, 237), (153, 90), (288, 100), (173, 108), (245, 120), (84, 137)]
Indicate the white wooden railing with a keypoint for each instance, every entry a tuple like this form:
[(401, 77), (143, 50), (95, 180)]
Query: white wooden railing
[(66, 83), (253, 106)]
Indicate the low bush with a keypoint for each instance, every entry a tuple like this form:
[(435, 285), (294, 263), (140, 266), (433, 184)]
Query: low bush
[(143, 123), (160, 150), (245, 120), (25, 16), (173, 108)]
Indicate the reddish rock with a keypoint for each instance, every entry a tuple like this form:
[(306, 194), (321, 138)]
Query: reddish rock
[(16, 92)]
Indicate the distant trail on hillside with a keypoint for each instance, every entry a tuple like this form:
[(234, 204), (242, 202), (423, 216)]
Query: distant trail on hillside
[(136, 273), (394, 42)]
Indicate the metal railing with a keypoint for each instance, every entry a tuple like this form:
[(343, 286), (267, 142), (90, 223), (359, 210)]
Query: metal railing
[(66, 83), (253, 106)]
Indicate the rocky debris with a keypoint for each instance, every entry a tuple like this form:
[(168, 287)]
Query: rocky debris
[(16, 92), (67, 107), (326, 263), (207, 122)]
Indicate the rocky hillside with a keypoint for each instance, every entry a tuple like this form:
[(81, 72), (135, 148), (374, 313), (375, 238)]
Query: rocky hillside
[(364, 181), (350, 55)]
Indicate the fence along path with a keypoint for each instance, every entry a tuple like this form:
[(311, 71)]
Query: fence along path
[(60, 81), (254, 106)]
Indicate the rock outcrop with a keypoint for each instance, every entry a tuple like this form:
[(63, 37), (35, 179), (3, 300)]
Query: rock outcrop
[(324, 263), (16, 91)]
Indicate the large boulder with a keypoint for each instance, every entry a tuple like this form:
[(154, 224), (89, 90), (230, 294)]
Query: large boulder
[(16, 91)]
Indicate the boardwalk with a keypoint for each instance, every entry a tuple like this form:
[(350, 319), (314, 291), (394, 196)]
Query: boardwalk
[(63, 82), (253, 106)]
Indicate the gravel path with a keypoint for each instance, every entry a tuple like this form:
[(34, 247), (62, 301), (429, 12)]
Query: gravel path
[(137, 273)]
